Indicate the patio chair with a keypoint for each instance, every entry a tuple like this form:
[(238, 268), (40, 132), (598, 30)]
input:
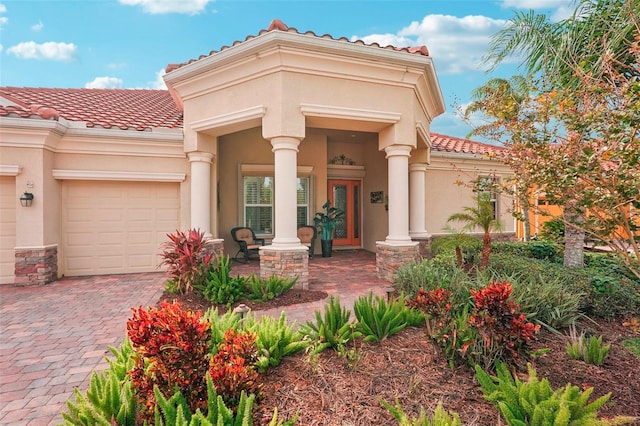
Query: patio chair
[(307, 235), (248, 243)]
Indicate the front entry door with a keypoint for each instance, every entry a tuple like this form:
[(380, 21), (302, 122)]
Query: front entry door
[(345, 195)]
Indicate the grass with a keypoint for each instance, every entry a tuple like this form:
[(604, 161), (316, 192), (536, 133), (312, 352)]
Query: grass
[(633, 345)]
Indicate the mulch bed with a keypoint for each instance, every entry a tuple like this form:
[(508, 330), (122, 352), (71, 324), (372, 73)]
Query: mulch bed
[(346, 389)]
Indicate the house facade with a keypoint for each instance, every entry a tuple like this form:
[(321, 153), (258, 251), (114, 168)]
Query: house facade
[(258, 134)]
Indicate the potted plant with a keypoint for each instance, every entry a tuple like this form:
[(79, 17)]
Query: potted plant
[(325, 221)]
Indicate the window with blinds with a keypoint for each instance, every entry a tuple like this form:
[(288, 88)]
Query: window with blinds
[(489, 185), (258, 203)]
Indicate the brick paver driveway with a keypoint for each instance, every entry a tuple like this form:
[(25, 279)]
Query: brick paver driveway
[(52, 337)]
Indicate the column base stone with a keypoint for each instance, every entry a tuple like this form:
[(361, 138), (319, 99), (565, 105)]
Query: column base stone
[(36, 265), (288, 264), (390, 257)]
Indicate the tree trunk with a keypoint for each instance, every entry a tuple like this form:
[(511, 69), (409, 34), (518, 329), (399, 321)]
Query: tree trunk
[(486, 251), (459, 257), (573, 239)]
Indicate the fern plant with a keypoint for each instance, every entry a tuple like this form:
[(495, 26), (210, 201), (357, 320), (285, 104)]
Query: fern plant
[(275, 339), (332, 329), (441, 417), (589, 350), (378, 319), (110, 395), (534, 402), (262, 290), (175, 410)]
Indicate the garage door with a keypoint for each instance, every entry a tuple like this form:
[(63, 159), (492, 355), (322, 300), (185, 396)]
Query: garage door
[(7, 229), (116, 227)]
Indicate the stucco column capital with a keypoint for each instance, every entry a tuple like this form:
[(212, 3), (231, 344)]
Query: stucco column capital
[(417, 167), (398, 151), (285, 143), (199, 156)]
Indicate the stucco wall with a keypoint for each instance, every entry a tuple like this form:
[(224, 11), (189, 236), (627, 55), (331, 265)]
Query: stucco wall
[(445, 197)]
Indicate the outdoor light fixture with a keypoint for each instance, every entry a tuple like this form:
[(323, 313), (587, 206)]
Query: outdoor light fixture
[(26, 199), (242, 310)]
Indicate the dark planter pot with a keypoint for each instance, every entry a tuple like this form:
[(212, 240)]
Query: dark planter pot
[(327, 247)]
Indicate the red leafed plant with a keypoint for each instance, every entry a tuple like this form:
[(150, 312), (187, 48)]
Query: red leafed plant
[(232, 369), (434, 303), (498, 321), (185, 258), (172, 349)]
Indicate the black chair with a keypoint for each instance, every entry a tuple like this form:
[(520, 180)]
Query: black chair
[(307, 235), (248, 243)]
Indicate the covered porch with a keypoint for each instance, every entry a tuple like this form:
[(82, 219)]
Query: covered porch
[(276, 110)]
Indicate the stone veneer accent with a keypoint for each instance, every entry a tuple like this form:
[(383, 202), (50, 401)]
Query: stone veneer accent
[(390, 257), (36, 265), (215, 246), (285, 264), (424, 246)]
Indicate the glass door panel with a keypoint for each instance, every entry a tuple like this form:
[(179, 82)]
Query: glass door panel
[(345, 195)]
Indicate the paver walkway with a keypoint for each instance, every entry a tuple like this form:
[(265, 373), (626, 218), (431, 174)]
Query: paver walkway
[(52, 337)]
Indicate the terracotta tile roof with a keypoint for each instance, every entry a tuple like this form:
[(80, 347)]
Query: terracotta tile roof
[(278, 25), (143, 110), (126, 109), (464, 146)]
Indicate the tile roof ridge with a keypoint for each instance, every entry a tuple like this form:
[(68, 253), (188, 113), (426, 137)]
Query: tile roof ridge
[(278, 25)]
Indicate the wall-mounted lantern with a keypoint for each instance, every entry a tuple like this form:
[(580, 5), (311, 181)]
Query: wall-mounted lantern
[(26, 199)]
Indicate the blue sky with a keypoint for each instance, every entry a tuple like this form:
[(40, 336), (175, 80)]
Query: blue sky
[(128, 43)]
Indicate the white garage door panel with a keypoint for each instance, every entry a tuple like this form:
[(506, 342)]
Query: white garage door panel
[(117, 227), (7, 229)]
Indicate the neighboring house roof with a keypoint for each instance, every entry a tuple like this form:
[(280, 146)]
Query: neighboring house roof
[(278, 25), (145, 109), (463, 146), (126, 109)]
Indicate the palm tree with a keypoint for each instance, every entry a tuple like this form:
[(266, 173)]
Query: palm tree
[(501, 100), (597, 30), (481, 216)]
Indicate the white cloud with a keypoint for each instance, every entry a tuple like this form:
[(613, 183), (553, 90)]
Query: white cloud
[(37, 27), (455, 44), (116, 66), (159, 83), (1, 48), (563, 8), (104, 83), (3, 8), (535, 4), (3, 20), (50, 50), (190, 7)]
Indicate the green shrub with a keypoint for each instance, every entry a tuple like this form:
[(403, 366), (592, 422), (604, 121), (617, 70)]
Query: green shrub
[(378, 319), (553, 230), (589, 350), (262, 290), (331, 330), (534, 402), (275, 340), (219, 324), (543, 250), (430, 274), (441, 417), (109, 396), (219, 286)]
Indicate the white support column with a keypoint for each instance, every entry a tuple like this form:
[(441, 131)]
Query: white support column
[(285, 152), (201, 191), (398, 163), (417, 201)]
